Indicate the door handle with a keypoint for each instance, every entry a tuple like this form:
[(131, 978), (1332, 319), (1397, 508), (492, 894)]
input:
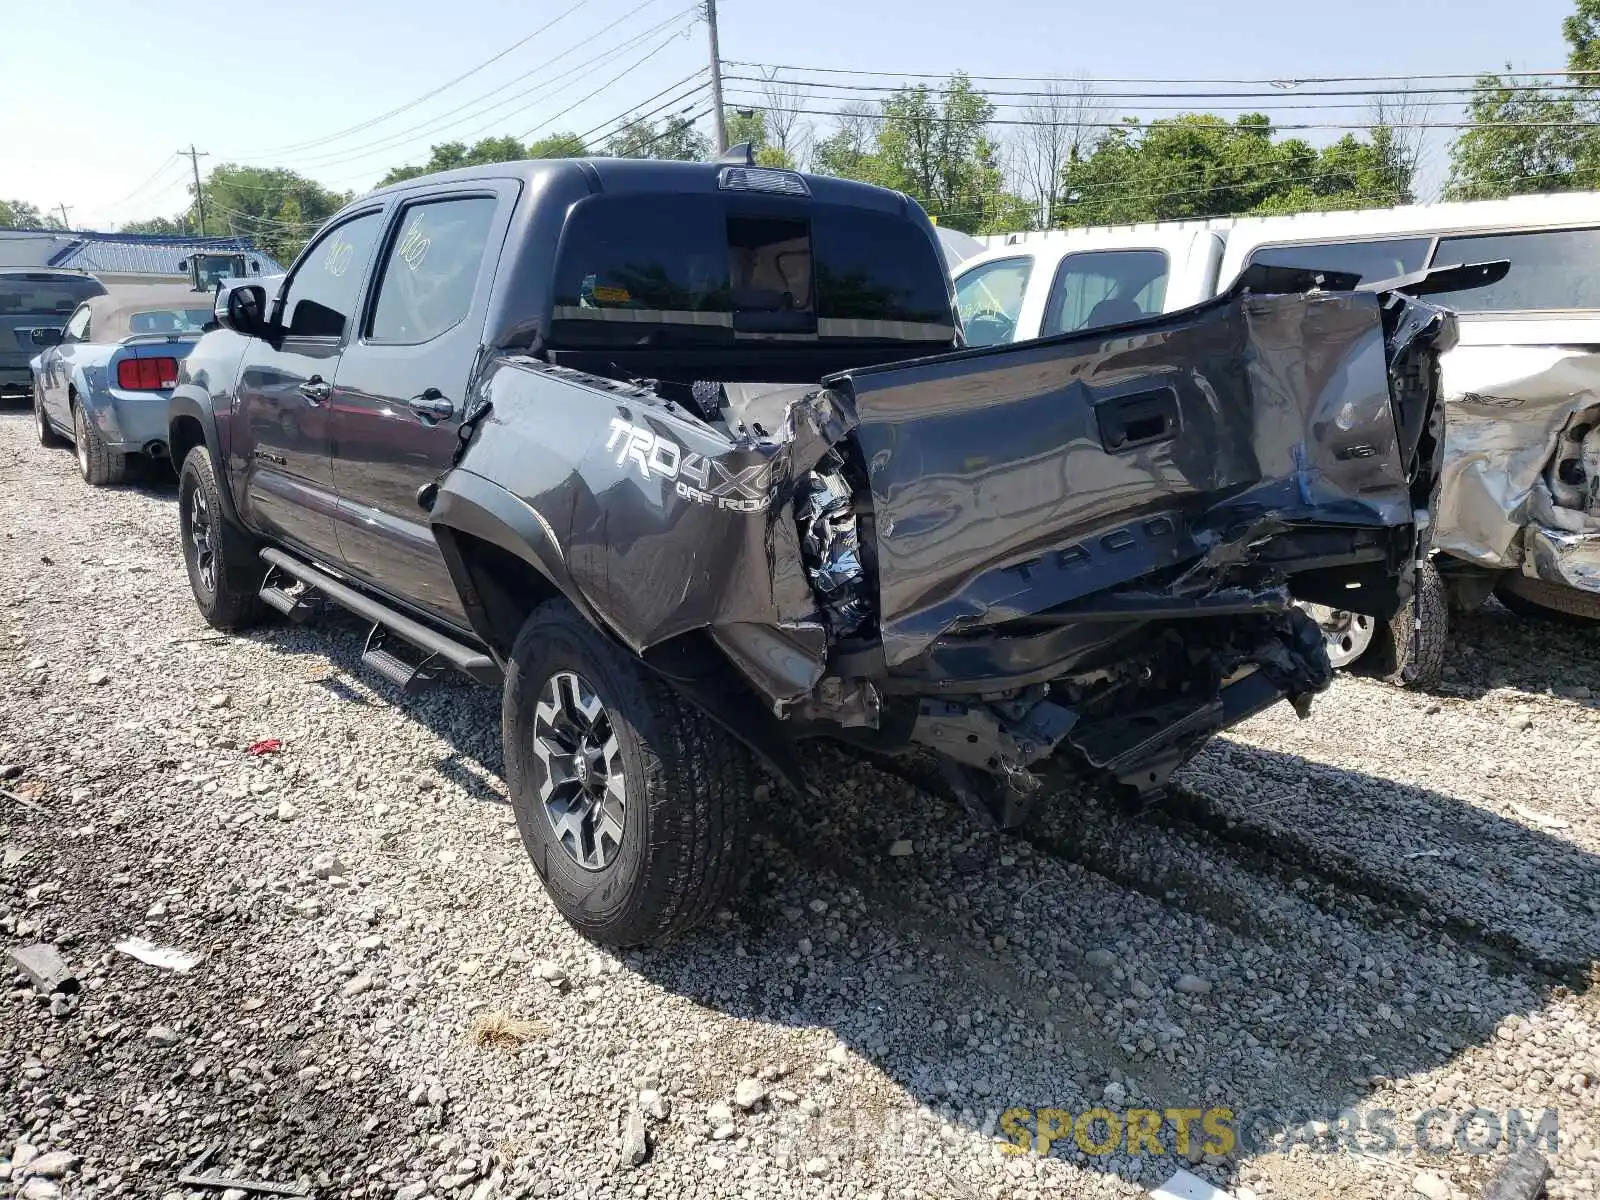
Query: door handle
[(315, 389), (432, 406)]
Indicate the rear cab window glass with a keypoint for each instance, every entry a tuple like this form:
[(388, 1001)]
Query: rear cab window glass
[(1105, 287), (989, 300), (322, 292), (431, 273), (1371, 261), (690, 271), (1550, 269)]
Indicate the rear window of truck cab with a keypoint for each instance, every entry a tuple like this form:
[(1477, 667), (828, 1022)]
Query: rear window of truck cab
[(697, 271)]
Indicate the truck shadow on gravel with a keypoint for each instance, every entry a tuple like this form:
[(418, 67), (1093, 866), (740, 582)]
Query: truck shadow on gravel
[(1280, 938), (1193, 957)]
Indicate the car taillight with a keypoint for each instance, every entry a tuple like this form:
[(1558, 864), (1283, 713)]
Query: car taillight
[(147, 374)]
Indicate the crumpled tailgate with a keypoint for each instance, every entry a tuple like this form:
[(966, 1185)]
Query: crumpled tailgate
[(1012, 480)]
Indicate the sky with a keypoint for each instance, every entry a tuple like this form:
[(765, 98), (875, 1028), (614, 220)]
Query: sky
[(100, 93)]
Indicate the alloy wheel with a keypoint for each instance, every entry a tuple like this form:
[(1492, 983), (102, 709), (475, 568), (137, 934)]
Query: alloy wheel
[(201, 537), (583, 788)]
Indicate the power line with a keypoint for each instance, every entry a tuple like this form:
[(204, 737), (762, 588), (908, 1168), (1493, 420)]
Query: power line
[(169, 161), (633, 114), (429, 94), (1090, 94), (392, 142), (749, 98), (631, 67), (1282, 82), (1274, 128)]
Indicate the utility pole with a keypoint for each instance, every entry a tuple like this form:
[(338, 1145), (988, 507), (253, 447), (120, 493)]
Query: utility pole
[(194, 156), (716, 79), (65, 224)]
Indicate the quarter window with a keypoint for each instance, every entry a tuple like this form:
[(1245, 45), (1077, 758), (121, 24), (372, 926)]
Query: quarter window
[(1105, 287), (77, 329), (1550, 269), (432, 270), (322, 293), (1369, 261), (989, 300)]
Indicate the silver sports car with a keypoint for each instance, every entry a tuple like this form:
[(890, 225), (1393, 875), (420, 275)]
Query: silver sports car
[(103, 381)]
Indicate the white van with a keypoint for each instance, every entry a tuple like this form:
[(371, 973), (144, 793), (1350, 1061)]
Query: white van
[(1518, 511)]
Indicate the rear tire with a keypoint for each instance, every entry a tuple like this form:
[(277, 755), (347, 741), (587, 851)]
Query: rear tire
[(1542, 600), (99, 465), (221, 558), (48, 437), (645, 840), (1410, 650)]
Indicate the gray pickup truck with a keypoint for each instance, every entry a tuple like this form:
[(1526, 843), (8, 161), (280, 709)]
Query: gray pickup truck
[(689, 460)]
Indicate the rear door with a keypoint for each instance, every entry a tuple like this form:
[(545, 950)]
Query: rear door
[(286, 385), (402, 386)]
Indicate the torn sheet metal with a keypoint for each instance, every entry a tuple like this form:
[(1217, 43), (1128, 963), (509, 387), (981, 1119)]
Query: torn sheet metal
[(1520, 478), (1015, 480)]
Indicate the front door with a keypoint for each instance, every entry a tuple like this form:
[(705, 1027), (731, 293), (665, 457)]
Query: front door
[(402, 389), (286, 388)]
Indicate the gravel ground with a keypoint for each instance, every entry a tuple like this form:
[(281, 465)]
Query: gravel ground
[(1393, 906)]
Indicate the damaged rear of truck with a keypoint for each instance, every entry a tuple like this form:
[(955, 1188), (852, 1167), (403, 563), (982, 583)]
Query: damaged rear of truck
[(1076, 556)]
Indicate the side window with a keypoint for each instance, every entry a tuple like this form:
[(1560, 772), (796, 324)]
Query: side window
[(1372, 261), (1105, 287), (321, 296), (1550, 269), (989, 300), (77, 329), (427, 283)]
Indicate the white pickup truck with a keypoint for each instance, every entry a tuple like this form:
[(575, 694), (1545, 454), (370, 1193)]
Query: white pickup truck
[(1518, 507)]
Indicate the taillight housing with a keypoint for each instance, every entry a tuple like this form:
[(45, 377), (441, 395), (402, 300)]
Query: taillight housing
[(147, 374)]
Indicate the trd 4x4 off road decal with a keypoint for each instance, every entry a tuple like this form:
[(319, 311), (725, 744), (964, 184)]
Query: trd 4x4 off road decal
[(695, 477)]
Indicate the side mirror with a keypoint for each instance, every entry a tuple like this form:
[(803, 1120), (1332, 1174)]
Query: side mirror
[(45, 337), (183, 265), (243, 308)]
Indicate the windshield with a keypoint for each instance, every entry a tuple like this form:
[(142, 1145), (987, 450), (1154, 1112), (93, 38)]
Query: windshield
[(170, 320), (212, 268), (692, 271), (43, 295)]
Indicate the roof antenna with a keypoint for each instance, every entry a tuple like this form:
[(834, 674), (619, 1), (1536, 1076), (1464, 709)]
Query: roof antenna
[(742, 155)]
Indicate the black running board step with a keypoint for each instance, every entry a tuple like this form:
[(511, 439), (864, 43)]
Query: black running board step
[(412, 679), (275, 593), (457, 655)]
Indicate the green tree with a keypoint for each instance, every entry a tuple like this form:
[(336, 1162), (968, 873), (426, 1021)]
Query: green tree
[(558, 145), (277, 208), (164, 225), (1529, 135), (750, 125), (19, 214), (447, 156), (676, 138), (1202, 165)]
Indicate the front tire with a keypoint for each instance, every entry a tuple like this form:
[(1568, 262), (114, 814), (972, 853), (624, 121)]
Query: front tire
[(220, 557), (1410, 650), (48, 437), (99, 465), (632, 806)]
